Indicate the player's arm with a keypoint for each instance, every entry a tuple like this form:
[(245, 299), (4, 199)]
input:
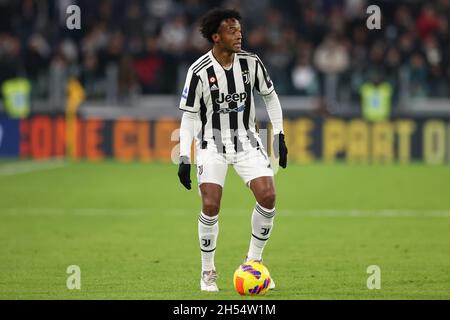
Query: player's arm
[(190, 104), (265, 88), (276, 118), (186, 136)]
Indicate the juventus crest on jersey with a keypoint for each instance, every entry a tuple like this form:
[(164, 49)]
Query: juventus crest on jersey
[(224, 100)]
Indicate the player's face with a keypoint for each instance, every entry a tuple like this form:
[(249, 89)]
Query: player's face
[(229, 35)]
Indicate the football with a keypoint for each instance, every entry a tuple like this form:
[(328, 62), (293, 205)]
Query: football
[(251, 278)]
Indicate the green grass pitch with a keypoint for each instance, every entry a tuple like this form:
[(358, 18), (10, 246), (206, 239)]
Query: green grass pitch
[(132, 229)]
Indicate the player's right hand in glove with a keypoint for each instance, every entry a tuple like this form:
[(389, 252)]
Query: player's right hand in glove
[(184, 172), (280, 149)]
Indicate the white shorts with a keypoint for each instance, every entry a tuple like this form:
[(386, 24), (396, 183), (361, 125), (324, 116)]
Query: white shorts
[(250, 164)]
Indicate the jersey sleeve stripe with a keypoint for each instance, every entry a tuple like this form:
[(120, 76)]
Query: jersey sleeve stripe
[(199, 63), (203, 118), (256, 78), (268, 83), (201, 66), (192, 89)]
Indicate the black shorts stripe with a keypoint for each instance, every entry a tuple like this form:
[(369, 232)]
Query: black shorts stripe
[(233, 115), (217, 136), (260, 238), (192, 88)]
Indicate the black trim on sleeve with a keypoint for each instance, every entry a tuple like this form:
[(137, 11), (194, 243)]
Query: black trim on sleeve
[(256, 78), (199, 63), (203, 119), (263, 95), (200, 67), (192, 89), (187, 110), (265, 74)]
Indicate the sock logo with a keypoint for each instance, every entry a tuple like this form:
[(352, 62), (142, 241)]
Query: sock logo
[(206, 242), (265, 231)]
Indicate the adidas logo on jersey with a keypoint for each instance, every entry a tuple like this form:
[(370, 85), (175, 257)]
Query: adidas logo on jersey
[(214, 87)]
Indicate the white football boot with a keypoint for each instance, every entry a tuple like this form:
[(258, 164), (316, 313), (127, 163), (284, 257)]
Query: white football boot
[(208, 281), (272, 283)]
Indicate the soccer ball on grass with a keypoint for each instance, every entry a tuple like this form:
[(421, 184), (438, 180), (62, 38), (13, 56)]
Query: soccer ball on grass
[(251, 278)]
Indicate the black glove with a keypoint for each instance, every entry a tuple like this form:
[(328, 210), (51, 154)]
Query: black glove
[(280, 149), (184, 172)]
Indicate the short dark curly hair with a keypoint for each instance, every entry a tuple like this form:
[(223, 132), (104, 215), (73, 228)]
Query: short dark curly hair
[(210, 22)]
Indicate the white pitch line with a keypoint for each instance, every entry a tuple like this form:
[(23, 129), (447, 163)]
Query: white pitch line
[(360, 213), (385, 213), (376, 213), (20, 167)]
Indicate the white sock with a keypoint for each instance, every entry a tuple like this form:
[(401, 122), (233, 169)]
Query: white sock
[(208, 230), (262, 224)]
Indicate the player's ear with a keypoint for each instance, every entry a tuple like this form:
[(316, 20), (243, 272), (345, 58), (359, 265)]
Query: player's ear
[(215, 37)]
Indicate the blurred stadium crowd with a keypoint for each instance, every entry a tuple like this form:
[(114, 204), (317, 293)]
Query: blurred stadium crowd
[(150, 43)]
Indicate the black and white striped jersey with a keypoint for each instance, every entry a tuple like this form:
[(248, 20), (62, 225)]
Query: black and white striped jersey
[(224, 100)]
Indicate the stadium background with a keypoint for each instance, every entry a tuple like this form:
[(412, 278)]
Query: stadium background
[(88, 132)]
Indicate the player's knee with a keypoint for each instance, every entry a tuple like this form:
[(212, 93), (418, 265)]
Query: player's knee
[(211, 207), (268, 199)]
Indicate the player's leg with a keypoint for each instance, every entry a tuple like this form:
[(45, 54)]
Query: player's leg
[(211, 174), (264, 191), (208, 223), (262, 218), (263, 215), (208, 231), (255, 169)]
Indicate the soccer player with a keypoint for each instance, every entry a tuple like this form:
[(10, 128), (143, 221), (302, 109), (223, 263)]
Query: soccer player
[(219, 111)]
